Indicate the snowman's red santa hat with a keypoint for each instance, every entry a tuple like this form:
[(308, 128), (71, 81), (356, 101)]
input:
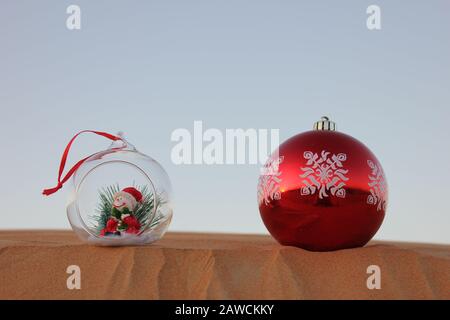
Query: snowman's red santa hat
[(137, 195)]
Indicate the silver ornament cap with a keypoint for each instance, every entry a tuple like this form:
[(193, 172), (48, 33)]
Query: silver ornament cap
[(325, 124)]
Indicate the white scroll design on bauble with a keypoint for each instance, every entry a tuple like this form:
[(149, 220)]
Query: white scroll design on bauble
[(324, 174), (377, 187), (269, 181)]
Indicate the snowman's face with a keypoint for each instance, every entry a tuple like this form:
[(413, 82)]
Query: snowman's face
[(124, 200)]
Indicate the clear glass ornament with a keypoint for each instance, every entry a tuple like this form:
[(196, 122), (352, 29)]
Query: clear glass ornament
[(120, 196)]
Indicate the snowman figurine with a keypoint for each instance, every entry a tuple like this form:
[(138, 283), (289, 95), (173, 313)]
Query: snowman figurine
[(122, 218)]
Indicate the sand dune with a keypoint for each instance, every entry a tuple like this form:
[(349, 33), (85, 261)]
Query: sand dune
[(216, 266)]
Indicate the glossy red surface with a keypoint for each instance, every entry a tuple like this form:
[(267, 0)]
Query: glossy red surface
[(330, 219)]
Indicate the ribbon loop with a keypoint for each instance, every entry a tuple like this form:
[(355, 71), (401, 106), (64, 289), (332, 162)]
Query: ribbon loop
[(61, 182)]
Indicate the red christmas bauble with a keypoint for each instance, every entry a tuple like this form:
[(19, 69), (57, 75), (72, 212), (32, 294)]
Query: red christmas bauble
[(322, 190)]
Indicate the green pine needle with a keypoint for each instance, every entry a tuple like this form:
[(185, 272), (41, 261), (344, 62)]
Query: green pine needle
[(143, 211)]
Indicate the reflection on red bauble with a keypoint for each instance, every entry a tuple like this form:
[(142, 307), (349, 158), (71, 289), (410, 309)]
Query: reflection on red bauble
[(322, 190)]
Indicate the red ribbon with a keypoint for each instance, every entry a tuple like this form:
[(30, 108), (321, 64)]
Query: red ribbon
[(48, 192)]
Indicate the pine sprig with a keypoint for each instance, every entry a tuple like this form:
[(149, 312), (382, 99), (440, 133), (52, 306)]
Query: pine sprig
[(144, 212)]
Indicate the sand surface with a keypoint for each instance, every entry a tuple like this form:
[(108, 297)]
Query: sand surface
[(216, 266)]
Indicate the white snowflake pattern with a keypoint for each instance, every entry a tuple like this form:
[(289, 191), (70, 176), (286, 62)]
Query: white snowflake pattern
[(378, 187), (269, 181), (324, 174)]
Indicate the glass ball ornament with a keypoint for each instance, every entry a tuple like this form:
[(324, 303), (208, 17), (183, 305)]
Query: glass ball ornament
[(119, 196), (322, 190)]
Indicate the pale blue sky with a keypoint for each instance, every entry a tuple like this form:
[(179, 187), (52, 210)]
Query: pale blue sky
[(150, 67)]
